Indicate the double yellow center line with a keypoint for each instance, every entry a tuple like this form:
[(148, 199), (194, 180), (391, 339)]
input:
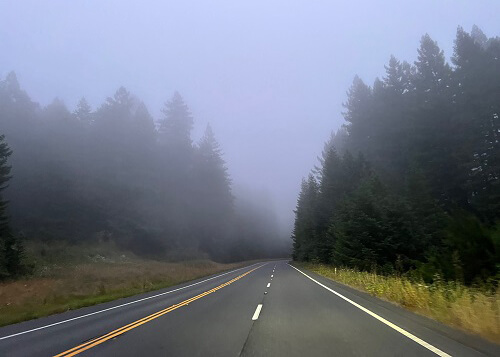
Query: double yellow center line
[(97, 341)]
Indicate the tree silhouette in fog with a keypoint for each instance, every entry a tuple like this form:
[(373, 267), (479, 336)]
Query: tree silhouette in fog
[(424, 195)]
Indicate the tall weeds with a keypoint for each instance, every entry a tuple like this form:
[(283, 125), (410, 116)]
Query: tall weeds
[(66, 287), (473, 309)]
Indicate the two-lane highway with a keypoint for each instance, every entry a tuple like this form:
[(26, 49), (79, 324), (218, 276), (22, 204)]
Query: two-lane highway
[(267, 309)]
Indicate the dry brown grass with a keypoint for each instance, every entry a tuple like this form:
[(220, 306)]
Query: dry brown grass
[(68, 287), (471, 309)]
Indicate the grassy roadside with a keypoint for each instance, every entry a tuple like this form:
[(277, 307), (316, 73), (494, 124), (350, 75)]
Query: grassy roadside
[(471, 309), (61, 286)]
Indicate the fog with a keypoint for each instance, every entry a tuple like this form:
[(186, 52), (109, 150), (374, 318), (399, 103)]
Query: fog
[(269, 77)]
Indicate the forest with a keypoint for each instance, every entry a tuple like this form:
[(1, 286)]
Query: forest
[(115, 174), (410, 183)]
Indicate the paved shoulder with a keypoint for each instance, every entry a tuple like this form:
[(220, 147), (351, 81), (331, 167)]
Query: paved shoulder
[(301, 317)]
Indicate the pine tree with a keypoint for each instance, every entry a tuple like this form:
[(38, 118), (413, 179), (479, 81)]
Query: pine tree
[(304, 231), (391, 128), (214, 201), (176, 159), (14, 92), (432, 200), (121, 98), (17, 111), (433, 73), (357, 115), (176, 124), (114, 131), (83, 111), (338, 178), (355, 228), (143, 126), (213, 171), (437, 136), (11, 250), (479, 37), (330, 188), (477, 112)]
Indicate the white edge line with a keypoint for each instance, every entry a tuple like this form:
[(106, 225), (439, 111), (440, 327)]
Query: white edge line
[(268, 285), (381, 319), (122, 305), (257, 312)]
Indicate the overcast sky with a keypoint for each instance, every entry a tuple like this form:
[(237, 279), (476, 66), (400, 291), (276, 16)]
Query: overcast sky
[(270, 76)]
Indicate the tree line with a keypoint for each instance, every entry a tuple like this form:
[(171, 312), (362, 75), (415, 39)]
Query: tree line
[(113, 173), (410, 183)]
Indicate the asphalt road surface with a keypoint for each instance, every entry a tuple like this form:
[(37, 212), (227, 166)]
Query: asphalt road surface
[(267, 309)]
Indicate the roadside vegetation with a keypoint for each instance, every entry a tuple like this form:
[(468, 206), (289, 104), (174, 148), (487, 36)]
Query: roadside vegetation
[(474, 309), (114, 172), (411, 182), (68, 277), (99, 204), (409, 187)]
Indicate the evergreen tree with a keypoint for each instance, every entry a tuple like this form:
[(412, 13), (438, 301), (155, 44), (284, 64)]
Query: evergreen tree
[(176, 160), (214, 201), (479, 37), (108, 174), (330, 188), (429, 202), (212, 169), (477, 112), (375, 230), (304, 231), (143, 124), (357, 115), (83, 111), (436, 139), (391, 128), (11, 250), (339, 177), (176, 124)]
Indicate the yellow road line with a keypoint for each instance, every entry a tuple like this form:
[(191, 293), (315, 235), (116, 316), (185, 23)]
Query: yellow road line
[(97, 341)]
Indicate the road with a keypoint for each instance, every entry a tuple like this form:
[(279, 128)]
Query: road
[(267, 309)]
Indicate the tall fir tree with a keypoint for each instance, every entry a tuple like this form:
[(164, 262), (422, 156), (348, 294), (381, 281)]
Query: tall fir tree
[(304, 230), (436, 137), (213, 170), (176, 125), (358, 110), (212, 192), (11, 250), (430, 203), (83, 111), (477, 112)]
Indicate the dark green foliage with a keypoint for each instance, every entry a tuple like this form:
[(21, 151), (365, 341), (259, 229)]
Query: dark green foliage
[(304, 235), (468, 247), (429, 201), (11, 249), (376, 230), (478, 109)]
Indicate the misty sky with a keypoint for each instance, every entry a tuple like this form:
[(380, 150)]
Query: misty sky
[(270, 76)]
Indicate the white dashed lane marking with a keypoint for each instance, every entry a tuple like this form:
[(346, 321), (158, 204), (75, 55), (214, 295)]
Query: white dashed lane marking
[(257, 312)]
